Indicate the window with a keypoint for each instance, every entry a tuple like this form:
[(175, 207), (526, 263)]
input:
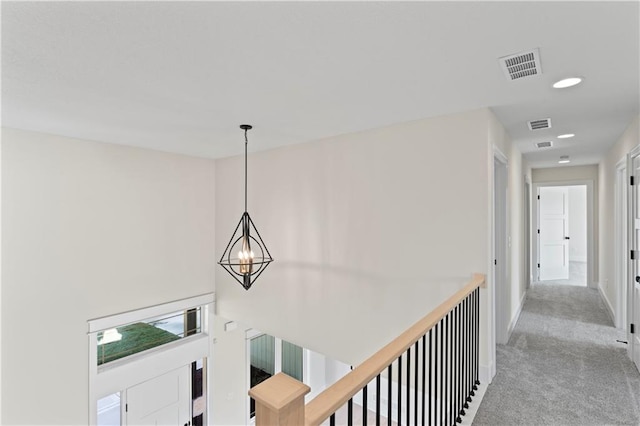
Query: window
[(109, 410), (269, 355), (126, 340), (292, 360)]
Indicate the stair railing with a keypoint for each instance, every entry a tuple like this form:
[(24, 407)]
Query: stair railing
[(425, 376)]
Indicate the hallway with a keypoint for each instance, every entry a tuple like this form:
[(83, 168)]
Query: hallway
[(563, 365)]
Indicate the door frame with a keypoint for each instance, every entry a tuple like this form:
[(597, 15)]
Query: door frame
[(631, 306), (528, 276), (591, 249), (621, 236), (499, 254)]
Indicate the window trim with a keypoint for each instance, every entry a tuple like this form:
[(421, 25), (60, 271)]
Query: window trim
[(124, 318)]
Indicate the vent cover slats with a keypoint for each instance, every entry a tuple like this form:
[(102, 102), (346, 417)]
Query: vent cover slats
[(519, 65), (548, 144), (540, 124)]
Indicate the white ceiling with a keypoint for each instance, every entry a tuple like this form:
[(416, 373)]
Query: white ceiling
[(181, 76)]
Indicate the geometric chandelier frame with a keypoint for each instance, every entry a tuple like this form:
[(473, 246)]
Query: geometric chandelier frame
[(246, 256)]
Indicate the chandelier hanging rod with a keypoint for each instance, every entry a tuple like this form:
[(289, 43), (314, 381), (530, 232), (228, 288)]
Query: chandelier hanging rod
[(246, 128)]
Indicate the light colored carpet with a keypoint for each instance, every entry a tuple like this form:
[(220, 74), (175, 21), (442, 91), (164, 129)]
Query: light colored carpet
[(562, 365), (577, 275)]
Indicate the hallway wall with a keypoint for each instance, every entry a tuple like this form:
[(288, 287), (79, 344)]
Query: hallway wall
[(559, 174), (607, 176), (89, 229), (517, 173)]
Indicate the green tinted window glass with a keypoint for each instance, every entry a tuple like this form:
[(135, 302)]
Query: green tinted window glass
[(292, 360)]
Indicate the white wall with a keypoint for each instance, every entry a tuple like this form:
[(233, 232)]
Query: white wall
[(356, 224), (578, 223), (606, 181), (561, 174), (89, 229), (229, 390)]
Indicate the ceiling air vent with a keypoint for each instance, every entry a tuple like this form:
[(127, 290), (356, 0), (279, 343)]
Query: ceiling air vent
[(540, 124), (544, 144), (520, 65)]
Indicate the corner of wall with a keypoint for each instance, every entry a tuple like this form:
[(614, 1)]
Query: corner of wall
[(516, 316), (486, 373), (607, 303)]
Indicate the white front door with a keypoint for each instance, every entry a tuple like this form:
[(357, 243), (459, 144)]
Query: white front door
[(634, 339), (553, 235), (163, 400)]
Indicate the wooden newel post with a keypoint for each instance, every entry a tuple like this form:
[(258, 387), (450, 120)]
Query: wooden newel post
[(279, 401)]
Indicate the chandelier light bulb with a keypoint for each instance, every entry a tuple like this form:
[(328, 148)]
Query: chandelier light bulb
[(246, 257)]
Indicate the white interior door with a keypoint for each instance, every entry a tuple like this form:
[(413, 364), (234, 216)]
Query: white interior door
[(163, 400), (553, 207), (634, 339)]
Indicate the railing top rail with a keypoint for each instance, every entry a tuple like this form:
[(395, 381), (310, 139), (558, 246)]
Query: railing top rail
[(334, 397)]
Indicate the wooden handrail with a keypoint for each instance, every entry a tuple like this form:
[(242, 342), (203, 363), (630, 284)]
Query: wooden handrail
[(334, 397)]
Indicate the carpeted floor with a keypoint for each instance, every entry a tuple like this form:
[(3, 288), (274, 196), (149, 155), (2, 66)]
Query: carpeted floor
[(577, 275), (562, 365)]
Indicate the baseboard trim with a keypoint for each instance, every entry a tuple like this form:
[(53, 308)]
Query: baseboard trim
[(486, 373), (607, 303), (516, 317)]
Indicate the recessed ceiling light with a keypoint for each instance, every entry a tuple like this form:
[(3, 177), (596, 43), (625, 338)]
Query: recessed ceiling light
[(564, 159), (567, 82), (566, 135)]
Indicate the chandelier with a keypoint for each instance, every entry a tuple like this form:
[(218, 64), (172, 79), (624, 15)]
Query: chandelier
[(246, 255)]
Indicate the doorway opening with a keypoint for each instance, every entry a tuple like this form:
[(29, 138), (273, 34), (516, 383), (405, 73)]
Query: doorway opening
[(563, 234)]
